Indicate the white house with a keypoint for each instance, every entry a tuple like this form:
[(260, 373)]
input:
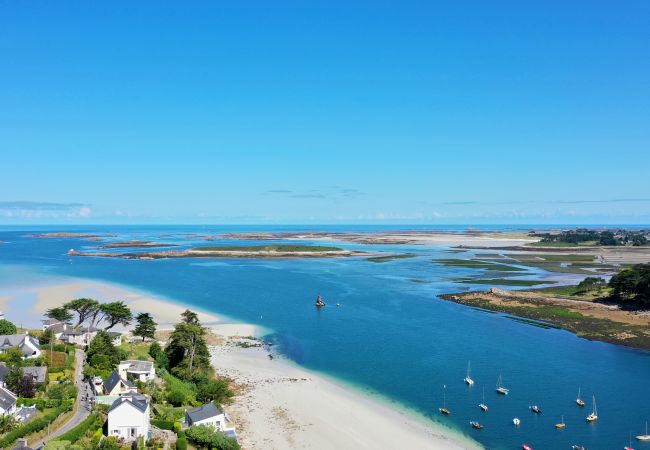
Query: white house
[(84, 336), (128, 417), (47, 323), (209, 415), (116, 385), (7, 401), (73, 337), (141, 370), (28, 344)]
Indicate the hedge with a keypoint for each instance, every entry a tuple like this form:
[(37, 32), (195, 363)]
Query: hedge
[(181, 442), (79, 431), (34, 426), (163, 424)]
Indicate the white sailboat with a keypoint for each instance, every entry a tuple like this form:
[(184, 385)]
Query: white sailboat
[(500, 389), (516, 421), (579, 400), (468, 378), (444, 409), (483, 406), (594, 413), (644, 437), (629, 445)]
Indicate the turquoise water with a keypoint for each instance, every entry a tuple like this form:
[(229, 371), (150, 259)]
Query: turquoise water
[(390, 335)]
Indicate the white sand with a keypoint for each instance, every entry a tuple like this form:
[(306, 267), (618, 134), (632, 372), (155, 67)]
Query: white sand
[(281, 406), (284, 406)]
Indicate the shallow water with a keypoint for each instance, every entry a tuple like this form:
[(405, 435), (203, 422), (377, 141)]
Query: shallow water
[(390, 334)]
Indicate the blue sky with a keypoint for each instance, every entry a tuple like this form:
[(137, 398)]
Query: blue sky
[(320, 112)]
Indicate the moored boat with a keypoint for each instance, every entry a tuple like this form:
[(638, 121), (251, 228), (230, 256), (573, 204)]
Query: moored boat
[(526, 447), (500, 389), (629, 445), (561, 425), (594, 413), (476, 425), (644, 437), (468, 379), (536, 409), (516, 421), (443, 409), (579, 400), (482, 405), (578, 447), (319, 302)]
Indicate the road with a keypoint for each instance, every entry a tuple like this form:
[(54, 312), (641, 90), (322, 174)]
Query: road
[(84, 397)]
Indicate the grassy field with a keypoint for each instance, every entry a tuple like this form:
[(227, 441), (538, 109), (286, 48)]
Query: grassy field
[(382, 259), (284, 248), (139, 351)]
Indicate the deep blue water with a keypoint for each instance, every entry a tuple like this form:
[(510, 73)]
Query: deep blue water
[(390, 335)]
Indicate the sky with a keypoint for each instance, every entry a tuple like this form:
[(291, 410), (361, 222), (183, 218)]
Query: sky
[(325, 112)]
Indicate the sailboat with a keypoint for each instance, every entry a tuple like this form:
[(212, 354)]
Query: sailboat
[(536, 409), (644, 437), (319, 302), (594, 413), (580, 401), (629, 445), (444, 409), (500, 389), (483, 406), (560, 425), (468, 379), (516, 421)]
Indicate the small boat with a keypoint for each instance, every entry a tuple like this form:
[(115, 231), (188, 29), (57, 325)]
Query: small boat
[(526, 447), (468, 379), (561, 425), (578, 447), (629, 445), (444, 409), (500, 389), (319, 302), (644, 437), (483, 406), (516, 421), (476, 425), (580, 401), (535, 409), (594, 413)]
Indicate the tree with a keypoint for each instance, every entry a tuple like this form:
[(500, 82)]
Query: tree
[(146, 327), (59, 313), (210, 390), (7, 327), (8, 423), (209, 438), (84, 307), (114, 313), (13, 356), (13, 378), (102, 354), (46, 337), (187, 351), (632, 283), (26, 387)]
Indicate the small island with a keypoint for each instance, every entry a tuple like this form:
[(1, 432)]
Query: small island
[(283, 251), (134, 244)]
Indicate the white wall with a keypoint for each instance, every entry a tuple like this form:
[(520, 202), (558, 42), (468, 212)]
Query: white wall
[(125, 418)]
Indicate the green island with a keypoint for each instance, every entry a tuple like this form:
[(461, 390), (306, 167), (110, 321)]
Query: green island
[(502, 281), (593, 309), (586, 237), (284, 248), (387, 258)]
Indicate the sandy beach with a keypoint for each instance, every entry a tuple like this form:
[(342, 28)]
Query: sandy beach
[(280, 405)]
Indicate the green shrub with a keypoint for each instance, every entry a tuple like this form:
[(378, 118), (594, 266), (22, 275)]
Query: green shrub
[(80, 430), (41, 403), (177, 427), (163, 424), (181, 442), (207, 437), (35, 425)]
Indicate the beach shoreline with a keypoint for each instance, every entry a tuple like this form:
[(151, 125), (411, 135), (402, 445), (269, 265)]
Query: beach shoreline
[(280, 405)]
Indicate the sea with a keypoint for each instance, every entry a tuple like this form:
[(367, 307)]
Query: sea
[(384, 332)]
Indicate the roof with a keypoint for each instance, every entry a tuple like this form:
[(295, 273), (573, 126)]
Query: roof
[(19, 340), (50, 321), (203, 412), (137, 366), (73, 333), (38, 373), (22, 445), (7, 399), (58, 327), (26, 413), (140, 402), (3, 371), (114, 380)]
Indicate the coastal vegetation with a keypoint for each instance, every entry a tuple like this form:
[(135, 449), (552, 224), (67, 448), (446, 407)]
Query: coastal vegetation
[(282, 248), (632, 285), (586, 237), (478, 264), (503, 281), (388, 258)]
